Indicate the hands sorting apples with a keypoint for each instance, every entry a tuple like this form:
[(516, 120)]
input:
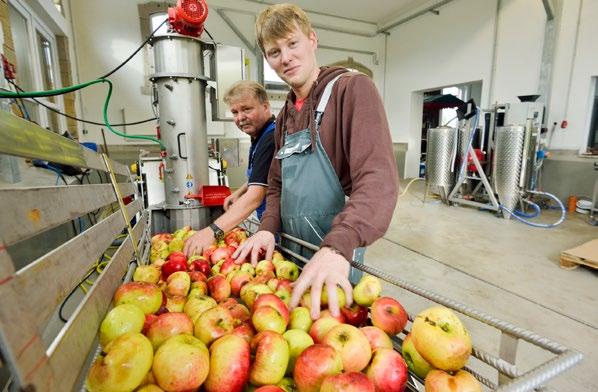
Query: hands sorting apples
[(224, 324)]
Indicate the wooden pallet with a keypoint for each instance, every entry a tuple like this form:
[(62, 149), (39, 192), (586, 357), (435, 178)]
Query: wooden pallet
[(585, 254)]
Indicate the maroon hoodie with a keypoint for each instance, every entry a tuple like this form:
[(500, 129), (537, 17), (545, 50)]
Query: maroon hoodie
[(355, 135)]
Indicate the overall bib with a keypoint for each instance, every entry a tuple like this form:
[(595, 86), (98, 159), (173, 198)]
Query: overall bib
[(260, 210), (311, 194)]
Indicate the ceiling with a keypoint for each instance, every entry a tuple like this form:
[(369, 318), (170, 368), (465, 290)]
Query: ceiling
[(374, 11)]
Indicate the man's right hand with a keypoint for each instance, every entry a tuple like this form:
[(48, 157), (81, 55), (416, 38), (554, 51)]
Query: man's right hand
[(262, 241)]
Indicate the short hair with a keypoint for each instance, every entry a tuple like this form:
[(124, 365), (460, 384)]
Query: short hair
[(278, 21), (243, 87)]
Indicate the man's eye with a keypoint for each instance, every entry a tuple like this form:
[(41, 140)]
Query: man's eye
[(293, 44)]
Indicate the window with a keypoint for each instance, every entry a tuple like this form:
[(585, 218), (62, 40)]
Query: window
[(37, 67), (449, 115), (156, 20), (593, 140)]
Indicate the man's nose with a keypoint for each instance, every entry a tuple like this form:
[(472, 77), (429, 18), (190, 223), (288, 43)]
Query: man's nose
[(285, 55)]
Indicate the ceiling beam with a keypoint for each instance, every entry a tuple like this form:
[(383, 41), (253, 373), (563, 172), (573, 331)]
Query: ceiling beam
[(433, 8)]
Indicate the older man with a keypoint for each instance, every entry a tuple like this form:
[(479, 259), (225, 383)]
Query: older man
[(250, 107)]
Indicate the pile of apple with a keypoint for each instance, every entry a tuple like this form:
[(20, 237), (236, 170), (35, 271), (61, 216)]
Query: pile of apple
[(213, 324)]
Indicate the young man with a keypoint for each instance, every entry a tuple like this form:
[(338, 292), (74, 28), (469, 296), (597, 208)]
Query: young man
[(249, 104), (332, 142)]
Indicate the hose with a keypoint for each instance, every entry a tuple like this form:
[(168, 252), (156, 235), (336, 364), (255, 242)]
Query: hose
[(541, 225), (65, 90), (534, 214), (408, 185)]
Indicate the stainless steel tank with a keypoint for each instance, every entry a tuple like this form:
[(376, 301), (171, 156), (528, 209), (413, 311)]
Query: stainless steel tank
[(180, 83), (440, 158), (508, 154)]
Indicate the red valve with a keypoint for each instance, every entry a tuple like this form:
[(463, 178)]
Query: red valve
[(188, 17)]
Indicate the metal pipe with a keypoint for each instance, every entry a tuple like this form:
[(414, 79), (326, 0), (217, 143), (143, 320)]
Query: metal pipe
[(235, 30), (549, 8), (341, 49), (411, 17)]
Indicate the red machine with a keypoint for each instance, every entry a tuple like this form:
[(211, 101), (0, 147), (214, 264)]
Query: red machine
[(188, 17)]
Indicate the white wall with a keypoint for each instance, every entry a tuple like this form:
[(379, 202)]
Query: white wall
[(104, 38), (457, 45)]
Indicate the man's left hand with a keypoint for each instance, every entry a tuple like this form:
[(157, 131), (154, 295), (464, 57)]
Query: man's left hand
[(327, 268), (198, 242)]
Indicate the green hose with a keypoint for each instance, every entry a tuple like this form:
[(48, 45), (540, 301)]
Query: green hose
[(70, 89)]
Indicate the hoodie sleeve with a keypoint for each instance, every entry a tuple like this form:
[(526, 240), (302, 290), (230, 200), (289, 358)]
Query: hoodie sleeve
[(367, 146)]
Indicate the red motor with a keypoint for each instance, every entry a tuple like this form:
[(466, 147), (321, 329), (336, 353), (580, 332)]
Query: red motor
[(188, 17)]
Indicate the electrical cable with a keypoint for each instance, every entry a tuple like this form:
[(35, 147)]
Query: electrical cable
[(210, 35), (541, 225), (136, 51)]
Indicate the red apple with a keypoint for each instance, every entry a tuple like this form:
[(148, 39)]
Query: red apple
[(271, 353), (441, 381), (387, 371), (177, 257), (265, 267), (219, 288), (198, 276), (273, 301), (200, 265), (351, 344), (347, 382), (229, 364), (245, 331), (356, 315), (222, 254), (149, 320), (251, 290), (146, 296), (270, 388), (326, 313), (168, 325), (389, 315), (320, 328), (284, 284), (237, 280), (228, 266), (377, 338), (207, 252), (239, 312), (181, 363), (314, 364), (172, 266), (213, 323)]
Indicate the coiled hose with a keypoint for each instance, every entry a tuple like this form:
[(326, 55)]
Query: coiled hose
[(541, 225)]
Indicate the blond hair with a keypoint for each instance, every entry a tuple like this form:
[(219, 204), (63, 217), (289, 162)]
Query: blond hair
[(244, 87), (279, 21)]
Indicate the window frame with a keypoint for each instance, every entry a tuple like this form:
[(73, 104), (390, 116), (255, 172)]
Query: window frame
[(592, 144)]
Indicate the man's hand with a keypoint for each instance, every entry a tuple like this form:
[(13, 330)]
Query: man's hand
[(328, 268), (198, 242), (261, 241)]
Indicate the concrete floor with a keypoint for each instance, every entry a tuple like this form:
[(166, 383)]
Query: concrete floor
[(502, 267)]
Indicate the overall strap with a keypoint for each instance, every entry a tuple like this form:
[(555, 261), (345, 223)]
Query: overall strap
[(324, 99)]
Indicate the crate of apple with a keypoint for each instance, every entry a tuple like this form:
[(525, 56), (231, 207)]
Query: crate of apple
[(210, 322)]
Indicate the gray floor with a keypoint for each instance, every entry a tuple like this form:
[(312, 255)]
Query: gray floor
[(502, 267)]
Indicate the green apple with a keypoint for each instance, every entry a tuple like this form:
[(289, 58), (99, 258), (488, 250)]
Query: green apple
[(250, 291), (300, 319), (120, 320), (415, 362), (298, 341), (176, 245), (146, 273), (367, 290), (181, 363), (146, 296), (122, 365), (271, 353), (288, 270), (288, 384), (247, 267)]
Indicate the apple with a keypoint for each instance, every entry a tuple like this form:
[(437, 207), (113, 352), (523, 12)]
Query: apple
[(298, 340), (229, 364), (247, 267), (271, 353), (273, 301), (321, 326), (168, 325), (287, 270), (213, 323), (219, 288), (146, 273), (267, 318), (146, 296), (181, 363), (177, 256), (198, 276), (245, 331), (441, 338), (264, 267), (340, 294), (149, 320), (356, 315), (216, 267), (237, 280), (300, 319), (221, 253), (389, 315), (415, 362), (387, 371), (176, 303), (377, 338), (229, 266), (326, 313), (180, 233), (284, 295), (367, 290), (264, 277), (150, 388), (200, 265), (159, 251), (239, 312), (176, 245), (161, 237), (314, 364), (120, 320), (178, 283), (172, 266), (351, 344), (195, 306), (207, 252), (251, 290), (277, 257), (284, 284), (288, 384), (347, 382), (272, 284), (198, 289), (269, 388), (122, 365), (441, 381)]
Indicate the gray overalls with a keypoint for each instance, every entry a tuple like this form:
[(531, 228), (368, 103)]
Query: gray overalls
[(311, 194)]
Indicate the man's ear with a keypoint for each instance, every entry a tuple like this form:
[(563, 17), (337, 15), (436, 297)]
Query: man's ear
[(313, 38)]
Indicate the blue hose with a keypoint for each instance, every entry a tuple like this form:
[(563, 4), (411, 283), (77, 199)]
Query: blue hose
[(534, 214), (541, 225)]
